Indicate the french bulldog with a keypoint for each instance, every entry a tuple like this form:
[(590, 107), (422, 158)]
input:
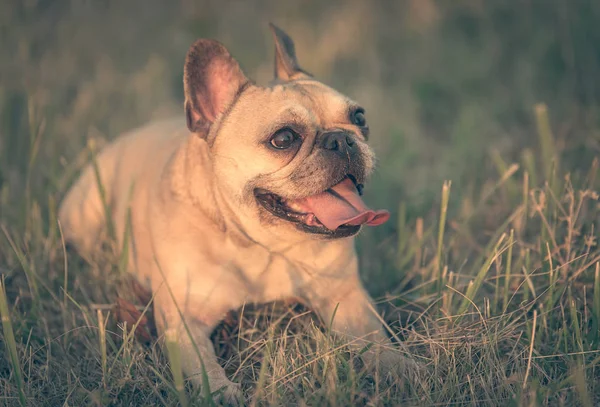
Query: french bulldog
[(254, 197)]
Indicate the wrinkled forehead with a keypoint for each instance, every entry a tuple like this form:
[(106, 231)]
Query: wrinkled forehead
[(318, 97), (308, 101)]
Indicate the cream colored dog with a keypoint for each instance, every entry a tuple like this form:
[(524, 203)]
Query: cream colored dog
[(257, 199)]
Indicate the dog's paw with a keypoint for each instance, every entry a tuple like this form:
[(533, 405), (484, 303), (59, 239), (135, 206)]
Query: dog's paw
[(229, 394), (391, 364)]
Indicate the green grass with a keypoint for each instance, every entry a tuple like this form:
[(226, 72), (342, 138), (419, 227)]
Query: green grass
[(493, 285), (516, 322)]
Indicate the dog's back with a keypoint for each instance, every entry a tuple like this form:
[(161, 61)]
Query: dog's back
[(123, 166)]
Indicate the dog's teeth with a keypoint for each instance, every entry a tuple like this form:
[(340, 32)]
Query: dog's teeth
[(294, 206), (312, 220)]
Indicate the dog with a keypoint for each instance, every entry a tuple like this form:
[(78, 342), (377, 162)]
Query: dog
[(254, 197)]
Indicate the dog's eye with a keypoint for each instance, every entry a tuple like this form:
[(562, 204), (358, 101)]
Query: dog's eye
[(357, 118), (283, 139)]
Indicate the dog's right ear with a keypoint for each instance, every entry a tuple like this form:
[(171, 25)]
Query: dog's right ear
[(286, 63), (212, 79)]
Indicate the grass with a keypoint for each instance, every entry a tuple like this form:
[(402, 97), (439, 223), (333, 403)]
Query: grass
[(515, 321), (492, 285)]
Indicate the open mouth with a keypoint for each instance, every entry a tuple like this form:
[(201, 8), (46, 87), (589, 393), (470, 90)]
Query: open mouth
[(336, 212)]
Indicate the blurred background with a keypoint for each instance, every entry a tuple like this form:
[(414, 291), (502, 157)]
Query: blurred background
[(447, 85)]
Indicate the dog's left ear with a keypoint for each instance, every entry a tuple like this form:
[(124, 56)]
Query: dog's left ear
[(212, 79), (286, 64)]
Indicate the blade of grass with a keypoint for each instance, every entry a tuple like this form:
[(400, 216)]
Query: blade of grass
[(11, 344), (414, 250), (501, 230), (402, 233), (441, 227), (262, 376), (507, 275), (174, 354), (448, 295), (124, 252), (502, 168), (110, 227), (30, 274), (489, 192), (102, 338), (36, 131), (65, 265), (551, 281), (593, 174), (525, 203), (528, 159), (52, 222), (580, 383), (596, 302), (419, 247), (546, 140), (474, 288), (494, 307), (576, 327), (532, 341)]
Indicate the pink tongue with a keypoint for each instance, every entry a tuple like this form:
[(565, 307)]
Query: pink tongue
[(342, 205)]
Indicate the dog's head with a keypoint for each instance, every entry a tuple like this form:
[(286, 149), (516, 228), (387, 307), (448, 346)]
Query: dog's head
[(288, 158)]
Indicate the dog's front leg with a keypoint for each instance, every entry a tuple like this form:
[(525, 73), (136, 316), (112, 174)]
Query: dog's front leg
[(193, 338), (343, 302)]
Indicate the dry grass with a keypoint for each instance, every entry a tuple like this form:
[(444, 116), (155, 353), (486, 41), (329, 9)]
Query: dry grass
[(494, 290), (517, 322)]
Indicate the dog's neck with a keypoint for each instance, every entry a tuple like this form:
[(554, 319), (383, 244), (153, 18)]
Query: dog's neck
[(189, 175), (192, 182)]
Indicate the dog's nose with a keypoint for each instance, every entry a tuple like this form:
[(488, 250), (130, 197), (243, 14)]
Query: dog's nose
[(338, 141)]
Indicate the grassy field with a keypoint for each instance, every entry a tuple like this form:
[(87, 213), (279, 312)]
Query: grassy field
[(485, 119)]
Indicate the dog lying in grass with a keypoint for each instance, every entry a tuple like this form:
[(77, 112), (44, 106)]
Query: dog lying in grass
[(255, 196)]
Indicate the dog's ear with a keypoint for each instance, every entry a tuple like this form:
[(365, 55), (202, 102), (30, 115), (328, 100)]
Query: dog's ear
[(212, 79), (286, 64)]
